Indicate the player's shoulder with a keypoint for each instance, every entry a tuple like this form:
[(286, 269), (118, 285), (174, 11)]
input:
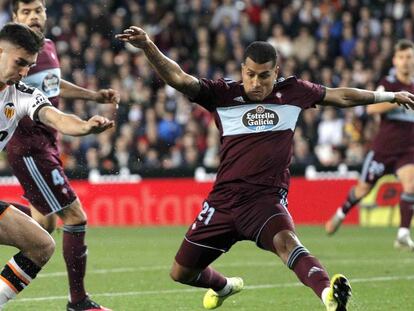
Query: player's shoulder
[(23, 88), (389, 79), (230, 82), (284, 81)]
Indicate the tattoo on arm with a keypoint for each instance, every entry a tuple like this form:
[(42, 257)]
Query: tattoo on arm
[(171, 72)]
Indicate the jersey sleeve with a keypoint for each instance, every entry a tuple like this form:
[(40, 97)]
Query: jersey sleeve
[(31, 100), (210, 94), (310, 93)]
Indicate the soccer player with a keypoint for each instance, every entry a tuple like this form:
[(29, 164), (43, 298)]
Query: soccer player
[(392, 149), (35, 158), (19, 47), (256, 118)]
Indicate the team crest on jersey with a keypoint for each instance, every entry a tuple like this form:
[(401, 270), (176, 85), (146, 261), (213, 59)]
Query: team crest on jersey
[(9, 110), (260, 119)]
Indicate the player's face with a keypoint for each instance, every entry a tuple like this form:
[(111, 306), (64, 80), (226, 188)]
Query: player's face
[(258, 79), (403, 61), (15, 63), (32, 14)]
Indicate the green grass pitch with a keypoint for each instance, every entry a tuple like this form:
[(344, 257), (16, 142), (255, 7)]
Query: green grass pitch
[(128, 270)]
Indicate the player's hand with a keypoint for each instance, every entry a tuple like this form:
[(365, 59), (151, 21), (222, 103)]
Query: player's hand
[(136, 36), (108, 96), (98, 124), (404, 99)]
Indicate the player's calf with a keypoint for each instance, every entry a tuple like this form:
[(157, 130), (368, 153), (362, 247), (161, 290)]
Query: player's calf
[(16, 276)]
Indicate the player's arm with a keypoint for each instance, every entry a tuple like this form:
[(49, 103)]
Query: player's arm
[(70, 124), (349, 97), (72, 91), (382, 107), (167, 69)]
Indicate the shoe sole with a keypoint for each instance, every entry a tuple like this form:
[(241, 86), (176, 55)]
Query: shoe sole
[(342, 291)]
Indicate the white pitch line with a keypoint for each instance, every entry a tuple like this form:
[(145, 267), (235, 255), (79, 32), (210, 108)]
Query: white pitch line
[(176, 291), (227, 265)]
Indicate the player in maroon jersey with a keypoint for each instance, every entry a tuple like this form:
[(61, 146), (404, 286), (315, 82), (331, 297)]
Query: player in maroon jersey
[(19, 48), (256, 118), (35, 158), (392, 149)]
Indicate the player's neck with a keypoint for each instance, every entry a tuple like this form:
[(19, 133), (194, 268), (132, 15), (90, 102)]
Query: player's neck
[(2, 86), (406, 79)]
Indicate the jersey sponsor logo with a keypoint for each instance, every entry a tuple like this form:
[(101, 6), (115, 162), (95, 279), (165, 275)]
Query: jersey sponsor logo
[(260, 118), (50, 83), (9, 110)]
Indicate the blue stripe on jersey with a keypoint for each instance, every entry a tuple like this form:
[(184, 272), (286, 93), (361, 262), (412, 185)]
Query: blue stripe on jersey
[(47, 81), (400, 114), (257, 118)]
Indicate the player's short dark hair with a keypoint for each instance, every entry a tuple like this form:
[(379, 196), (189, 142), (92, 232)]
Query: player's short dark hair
[(22, 36), (260, 52), (403, 44), (15, 4)]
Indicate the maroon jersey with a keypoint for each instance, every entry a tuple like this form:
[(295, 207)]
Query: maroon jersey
[(257, 137), (396, 132), (34, 137)]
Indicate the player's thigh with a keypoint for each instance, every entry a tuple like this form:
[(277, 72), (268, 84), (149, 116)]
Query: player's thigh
[(211, 234), (374, 167), (406, 176), (44, 182), (48, 222), (264, 215), (19, 230)]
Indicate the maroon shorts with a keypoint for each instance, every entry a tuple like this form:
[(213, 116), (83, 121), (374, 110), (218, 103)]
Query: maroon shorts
[(44, 182), (233, 215), (377, 165)]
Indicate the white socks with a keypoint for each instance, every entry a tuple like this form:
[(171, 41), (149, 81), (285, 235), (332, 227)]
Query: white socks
[(340, 214), (324, 294), (226, 289), (403, 232)]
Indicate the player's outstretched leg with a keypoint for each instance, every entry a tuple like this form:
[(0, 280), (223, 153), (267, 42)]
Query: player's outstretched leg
[(191, 267), (75, 253), (337, 295), (403, 240), (307, 268), (36, 247)]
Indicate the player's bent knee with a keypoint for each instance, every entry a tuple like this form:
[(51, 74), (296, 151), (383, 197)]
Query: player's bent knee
[(182, 274), (43, 250), (73, 214)]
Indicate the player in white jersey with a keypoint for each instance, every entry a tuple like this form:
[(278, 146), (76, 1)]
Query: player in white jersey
[(19, 47)]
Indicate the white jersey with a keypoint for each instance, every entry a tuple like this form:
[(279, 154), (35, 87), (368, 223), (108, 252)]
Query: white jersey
[(16, 102)]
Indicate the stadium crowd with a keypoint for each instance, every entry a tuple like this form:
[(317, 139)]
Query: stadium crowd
[(335, 43)]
